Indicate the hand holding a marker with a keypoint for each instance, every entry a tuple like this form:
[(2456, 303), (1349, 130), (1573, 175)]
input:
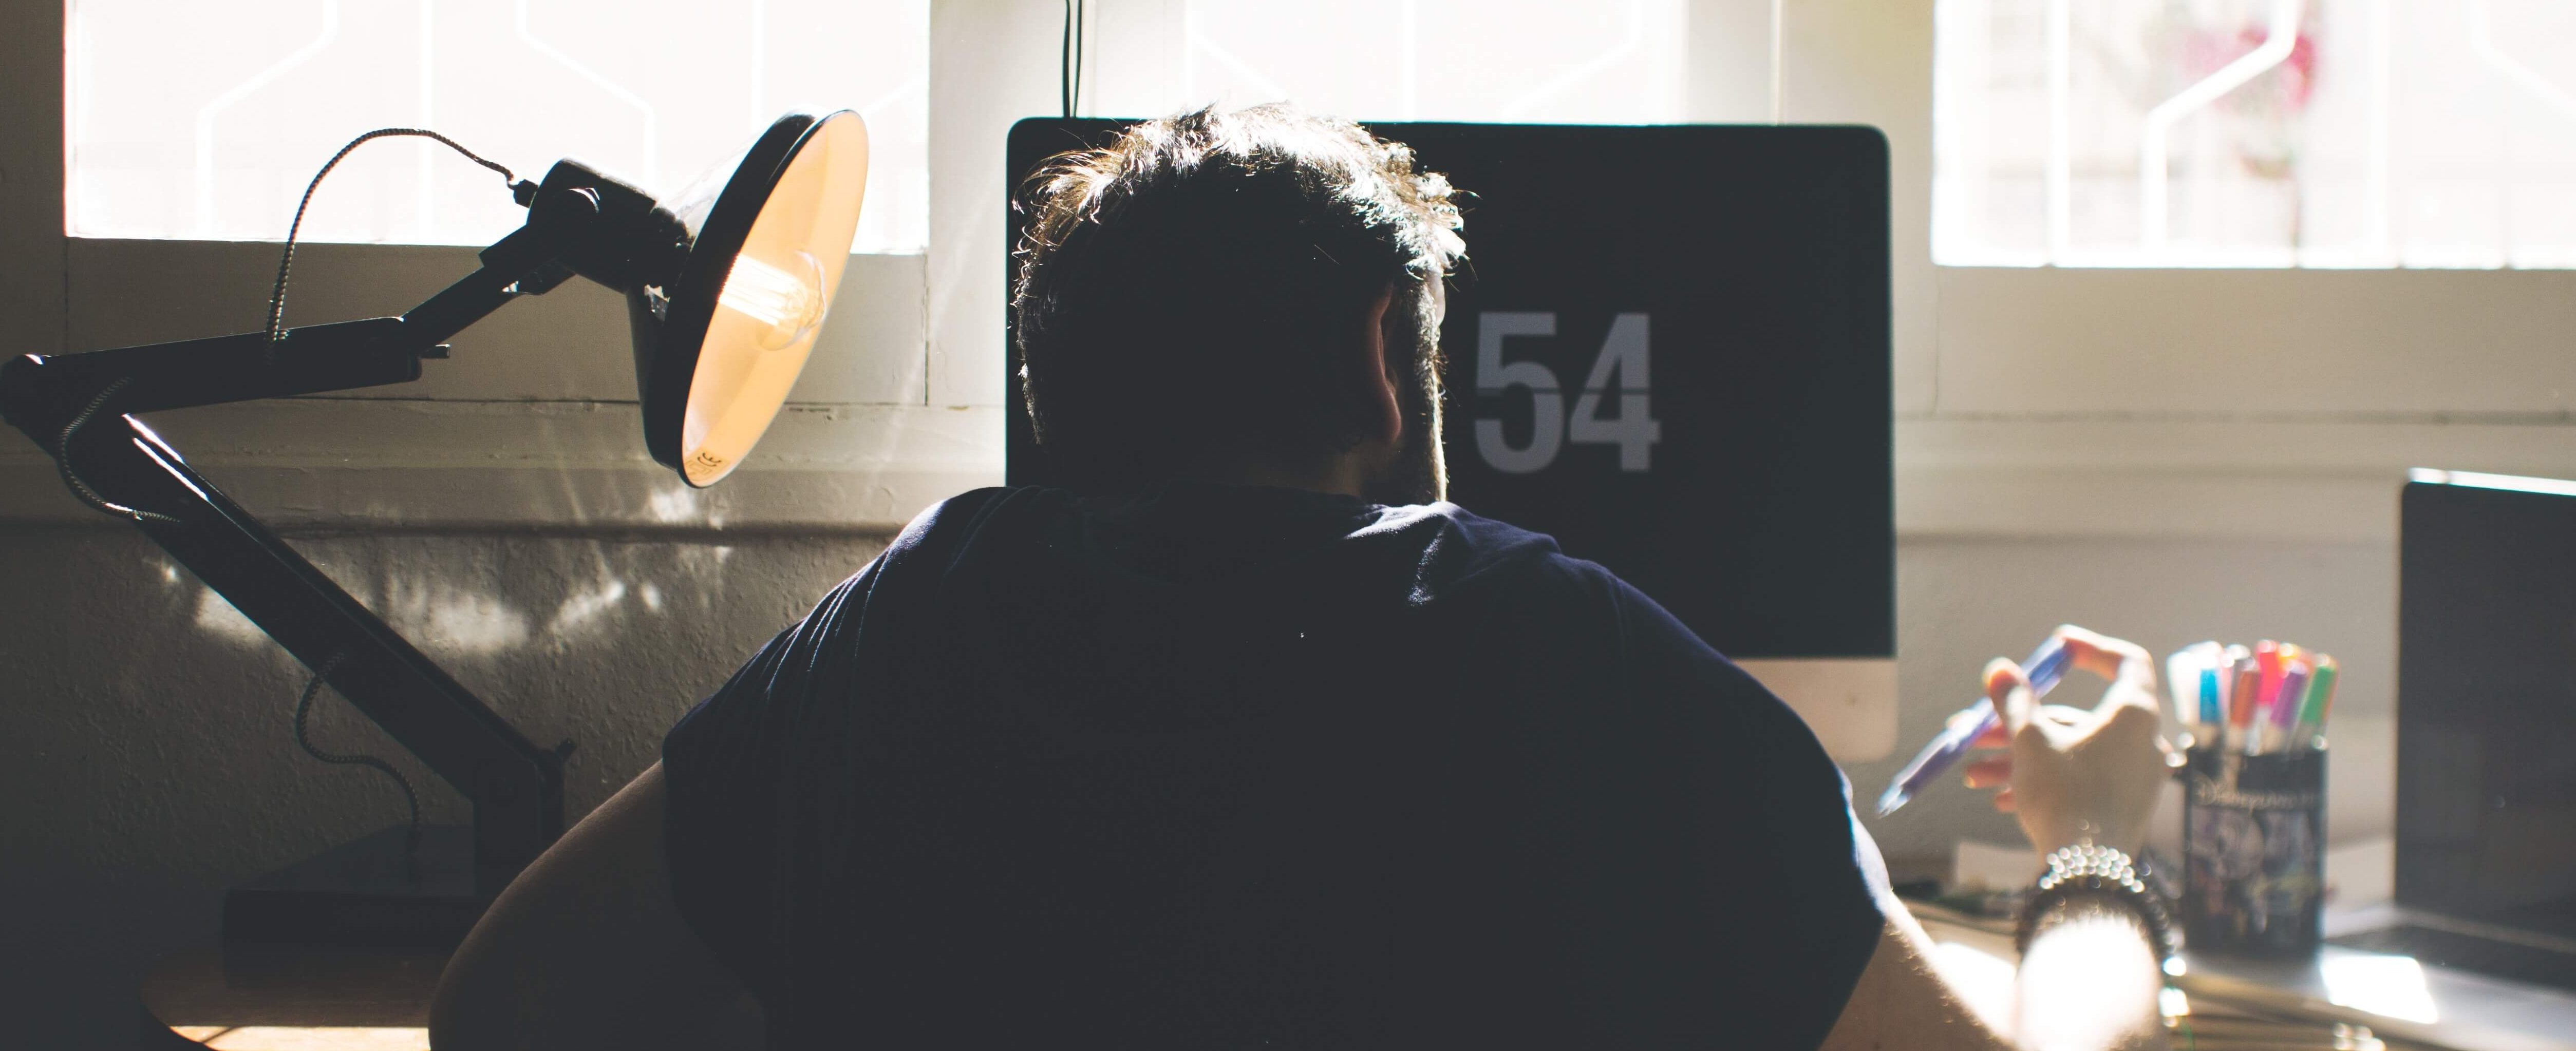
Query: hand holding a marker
[(2072, 773)]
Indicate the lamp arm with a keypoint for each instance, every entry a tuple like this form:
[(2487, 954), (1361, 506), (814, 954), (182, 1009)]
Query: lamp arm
[(515, 786), (41, 393)]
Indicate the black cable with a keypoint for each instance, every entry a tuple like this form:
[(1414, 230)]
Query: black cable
[(276, 322), (1068, 80), (304, 707), (286, 261), (80, 486)]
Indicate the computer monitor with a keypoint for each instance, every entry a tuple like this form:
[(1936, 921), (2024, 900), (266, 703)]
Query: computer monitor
[(1670, 350), (2486, 701)]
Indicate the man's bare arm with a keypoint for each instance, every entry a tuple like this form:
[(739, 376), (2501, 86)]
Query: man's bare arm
[(2089, 983), (586, 949), (1903, 1001)]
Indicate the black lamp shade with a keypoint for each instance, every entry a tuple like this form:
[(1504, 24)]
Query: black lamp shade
[(714, 362)]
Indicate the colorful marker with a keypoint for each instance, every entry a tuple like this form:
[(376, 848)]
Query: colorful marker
[(2213, 707), (2046, 665), (2312, 710), (2206, 658), (2291, 651), (2267, 659), (2241, 701), (2294, 689)]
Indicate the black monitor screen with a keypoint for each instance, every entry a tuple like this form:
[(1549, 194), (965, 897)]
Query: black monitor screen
[(2486, 705), (1669, 349)]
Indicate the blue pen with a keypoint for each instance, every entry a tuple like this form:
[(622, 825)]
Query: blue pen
[(2046, 665)]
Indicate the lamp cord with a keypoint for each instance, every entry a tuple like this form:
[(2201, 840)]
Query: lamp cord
[(1069, 53), (80, 486), (276, 331), (286, 261), (304, 707)]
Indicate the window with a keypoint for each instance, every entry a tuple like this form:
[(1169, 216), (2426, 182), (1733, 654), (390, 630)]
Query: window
[(1481, 60), (205, 121), (2323, 133)]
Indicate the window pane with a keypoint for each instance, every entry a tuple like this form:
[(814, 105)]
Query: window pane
[(1478, 60), (206, 120), (2367, 133)]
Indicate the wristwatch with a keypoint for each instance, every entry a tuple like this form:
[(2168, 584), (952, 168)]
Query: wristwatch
[(2087, 870)]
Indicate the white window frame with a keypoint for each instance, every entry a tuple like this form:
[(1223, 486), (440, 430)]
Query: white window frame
[(2029, 402), (2271, 402)]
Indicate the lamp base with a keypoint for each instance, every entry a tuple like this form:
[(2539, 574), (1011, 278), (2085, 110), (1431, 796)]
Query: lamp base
[(370, 893)]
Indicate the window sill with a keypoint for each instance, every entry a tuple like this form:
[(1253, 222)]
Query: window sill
[(2324, 480), (328, 465), (2256, 344)]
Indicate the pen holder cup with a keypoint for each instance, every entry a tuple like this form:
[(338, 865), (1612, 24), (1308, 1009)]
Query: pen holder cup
[(2254, 831)]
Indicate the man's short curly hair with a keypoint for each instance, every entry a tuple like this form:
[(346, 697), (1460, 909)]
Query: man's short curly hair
[(1177, 290)]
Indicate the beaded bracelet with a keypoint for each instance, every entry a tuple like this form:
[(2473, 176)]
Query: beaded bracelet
[(2087, 869)]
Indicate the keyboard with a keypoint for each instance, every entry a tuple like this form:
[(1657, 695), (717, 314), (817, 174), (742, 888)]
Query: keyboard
[(2468, 952)]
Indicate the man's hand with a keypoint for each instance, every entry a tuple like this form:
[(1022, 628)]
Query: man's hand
[(2073, 774), (2089, 982)]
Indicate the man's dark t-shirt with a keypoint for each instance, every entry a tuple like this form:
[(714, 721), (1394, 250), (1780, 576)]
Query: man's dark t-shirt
[(1222, 767)]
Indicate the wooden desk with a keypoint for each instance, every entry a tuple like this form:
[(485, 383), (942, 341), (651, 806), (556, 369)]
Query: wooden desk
[(314, 999), (2215, 1015), (295, 999)]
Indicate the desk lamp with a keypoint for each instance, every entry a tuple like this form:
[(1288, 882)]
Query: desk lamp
[(723, 317)]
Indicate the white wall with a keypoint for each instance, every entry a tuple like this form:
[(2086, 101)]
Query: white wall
[(147, 728), (2072, 445)]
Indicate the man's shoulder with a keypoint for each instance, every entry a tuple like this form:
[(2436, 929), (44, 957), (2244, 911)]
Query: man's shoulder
[(1440, 553), (1458, 554), (1495, 562)]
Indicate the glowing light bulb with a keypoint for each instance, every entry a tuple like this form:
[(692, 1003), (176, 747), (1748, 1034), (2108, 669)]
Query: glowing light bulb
[(788, 303)]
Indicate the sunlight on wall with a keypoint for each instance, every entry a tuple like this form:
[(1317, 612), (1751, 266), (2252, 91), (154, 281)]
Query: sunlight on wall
[(478, 602), (580, 616), (218, 618), (442, 617), (678, 503)]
